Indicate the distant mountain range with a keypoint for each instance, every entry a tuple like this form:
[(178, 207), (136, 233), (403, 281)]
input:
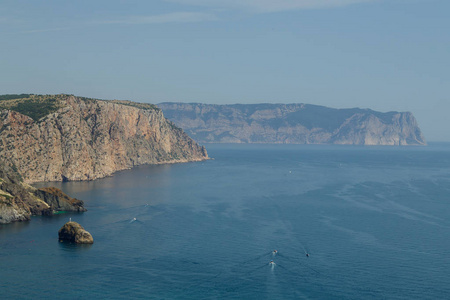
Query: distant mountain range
[(293, 124)]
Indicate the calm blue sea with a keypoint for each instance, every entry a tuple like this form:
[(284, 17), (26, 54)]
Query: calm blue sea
[(375, 221)]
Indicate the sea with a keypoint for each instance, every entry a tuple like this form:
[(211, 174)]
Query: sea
[(347, 222)]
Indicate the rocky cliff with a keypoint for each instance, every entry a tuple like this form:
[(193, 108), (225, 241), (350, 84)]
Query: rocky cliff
[(293, 123), (62, 137), (19, 201)]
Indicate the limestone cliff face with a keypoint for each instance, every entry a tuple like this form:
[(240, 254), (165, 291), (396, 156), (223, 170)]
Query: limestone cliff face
[(85, 139), (19, 201), (368, 129), (293, 123)]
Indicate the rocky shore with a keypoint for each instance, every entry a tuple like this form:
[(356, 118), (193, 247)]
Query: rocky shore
[(19, 201)]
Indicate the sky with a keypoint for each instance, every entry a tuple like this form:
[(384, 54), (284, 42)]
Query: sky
[(386, 55)]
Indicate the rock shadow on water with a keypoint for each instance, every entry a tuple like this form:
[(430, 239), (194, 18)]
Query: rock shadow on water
[(58, 216), (71, 247), (13, 228)]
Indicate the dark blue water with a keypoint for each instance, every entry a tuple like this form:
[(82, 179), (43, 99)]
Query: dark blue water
[(375, 222)]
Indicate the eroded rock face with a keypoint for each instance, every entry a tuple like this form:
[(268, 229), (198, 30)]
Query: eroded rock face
[(12, 210), (58, 200), (293, 124), (75, 233), (19, 201), (90, 139)]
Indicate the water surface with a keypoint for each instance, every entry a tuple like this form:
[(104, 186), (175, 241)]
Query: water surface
[(373, 219)]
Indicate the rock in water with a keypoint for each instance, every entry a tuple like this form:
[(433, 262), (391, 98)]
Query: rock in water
[(75, 233)]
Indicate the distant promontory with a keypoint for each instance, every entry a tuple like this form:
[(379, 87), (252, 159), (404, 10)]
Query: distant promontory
[(293, 124)]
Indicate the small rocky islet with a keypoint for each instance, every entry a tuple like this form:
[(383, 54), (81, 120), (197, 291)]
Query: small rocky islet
[(74, 233)]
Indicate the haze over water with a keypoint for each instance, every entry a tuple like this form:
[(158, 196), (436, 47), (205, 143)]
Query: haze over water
[(373, 219)]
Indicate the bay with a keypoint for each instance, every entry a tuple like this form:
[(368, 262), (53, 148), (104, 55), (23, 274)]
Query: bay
[(374, 221)]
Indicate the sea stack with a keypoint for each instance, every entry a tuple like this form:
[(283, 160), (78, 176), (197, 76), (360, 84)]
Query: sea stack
[(75, 233)]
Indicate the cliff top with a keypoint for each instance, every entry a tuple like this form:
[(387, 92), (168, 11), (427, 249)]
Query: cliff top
[(34, 106), (139, 105), (274, 115), (39, 106)]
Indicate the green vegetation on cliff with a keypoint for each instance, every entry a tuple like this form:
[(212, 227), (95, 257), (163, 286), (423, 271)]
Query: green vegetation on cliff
[(14, 96), (39, 106), (34, 106), (146, 106)]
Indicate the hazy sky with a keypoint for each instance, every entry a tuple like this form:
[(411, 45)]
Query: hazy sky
[(379, 54)]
